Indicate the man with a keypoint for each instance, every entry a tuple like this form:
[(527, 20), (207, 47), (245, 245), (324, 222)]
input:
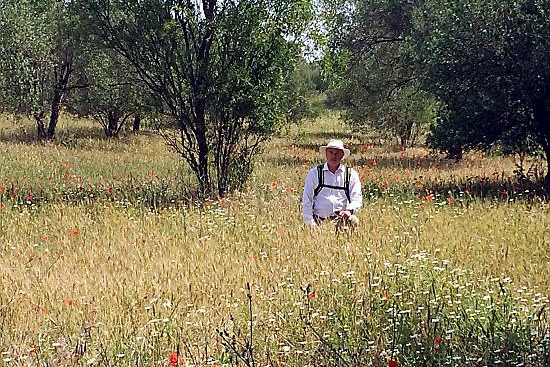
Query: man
[(331, 190)]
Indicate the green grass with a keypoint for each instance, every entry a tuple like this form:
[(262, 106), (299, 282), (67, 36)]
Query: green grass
[(105, 261)]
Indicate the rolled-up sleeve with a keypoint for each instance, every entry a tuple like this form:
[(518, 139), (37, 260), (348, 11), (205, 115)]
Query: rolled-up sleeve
[(307, 196), (355, 192)]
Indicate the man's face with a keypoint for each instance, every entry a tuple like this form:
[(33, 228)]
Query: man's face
[(334, 156)]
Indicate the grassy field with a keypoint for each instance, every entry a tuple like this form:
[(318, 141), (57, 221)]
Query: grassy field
[(106, 262)]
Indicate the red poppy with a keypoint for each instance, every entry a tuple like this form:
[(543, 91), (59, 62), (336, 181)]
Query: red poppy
[(2, 188), (74, 233), (225, 203), (392, 363), (312, 295), (438, 340), (29, 197), (33, 349), (69, 302), (174, 359), (373, 162), (387, 296), (429, 198)]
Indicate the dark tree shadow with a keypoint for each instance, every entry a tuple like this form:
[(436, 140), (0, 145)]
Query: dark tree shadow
[(293, 161), (424, 162), (465, 191), (73, 137), (307, 146), (333, 135)]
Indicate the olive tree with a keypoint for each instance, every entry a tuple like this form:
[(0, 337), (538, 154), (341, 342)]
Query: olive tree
[(370, 63), (112, 96), (41, 45), (219, 68), (488, 62)]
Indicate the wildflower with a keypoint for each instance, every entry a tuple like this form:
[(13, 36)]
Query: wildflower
[(13, 195), (44, 237), (438, 340), (33, 349), (69, 302), (373, 162), (225, 203), (392, 363), (312, 295), (387, 297), (174, 359), (74, 233), (429, 198), (96, 244), (2, 188), (29, 197)]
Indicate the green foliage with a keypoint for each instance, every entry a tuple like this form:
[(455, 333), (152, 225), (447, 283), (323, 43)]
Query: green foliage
[(375, 77), (26, 56), (218, 67), (302, 85), (486, 62), (422, 312), (112, 94), (41, 45)]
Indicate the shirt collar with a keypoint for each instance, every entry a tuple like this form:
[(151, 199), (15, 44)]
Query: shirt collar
[(339, 169)]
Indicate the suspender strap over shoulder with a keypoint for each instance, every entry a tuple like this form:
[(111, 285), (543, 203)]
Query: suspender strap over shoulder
[(321, 182)]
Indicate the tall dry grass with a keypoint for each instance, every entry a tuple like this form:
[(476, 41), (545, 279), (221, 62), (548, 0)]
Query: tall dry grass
[(104, 261)]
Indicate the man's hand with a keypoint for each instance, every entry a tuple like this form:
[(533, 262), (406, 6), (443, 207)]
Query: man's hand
[(345, 214)]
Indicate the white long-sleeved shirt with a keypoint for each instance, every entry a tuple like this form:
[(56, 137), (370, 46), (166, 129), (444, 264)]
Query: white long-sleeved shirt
[(329, 201)]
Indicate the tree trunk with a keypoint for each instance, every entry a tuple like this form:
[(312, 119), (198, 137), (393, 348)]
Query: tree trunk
[(40, 126), (542, 116), (546, 148), (455, 153), (62, 81), (112, 124), (137, 123), (205, 186), (54, 115)]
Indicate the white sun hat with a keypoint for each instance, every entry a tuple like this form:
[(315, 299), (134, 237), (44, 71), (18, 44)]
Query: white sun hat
[(334, 144)]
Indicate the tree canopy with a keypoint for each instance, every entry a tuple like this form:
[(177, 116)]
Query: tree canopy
[(219, 68), (484, 65), (489, 62), (41, 45)]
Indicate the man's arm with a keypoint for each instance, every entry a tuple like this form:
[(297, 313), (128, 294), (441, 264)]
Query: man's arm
[(355, 193), (307, 197)]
